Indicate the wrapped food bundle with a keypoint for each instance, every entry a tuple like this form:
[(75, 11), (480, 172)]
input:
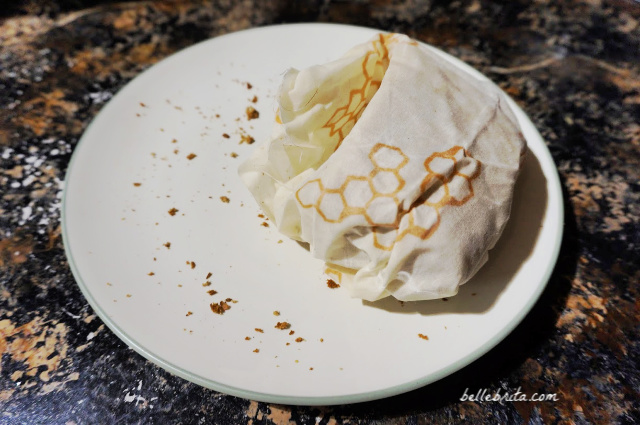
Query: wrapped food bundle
[(395, 166)]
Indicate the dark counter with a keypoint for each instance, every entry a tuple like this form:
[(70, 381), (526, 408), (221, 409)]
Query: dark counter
[(573, 66)]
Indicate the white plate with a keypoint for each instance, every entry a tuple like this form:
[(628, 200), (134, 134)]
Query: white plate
[(352, 351)]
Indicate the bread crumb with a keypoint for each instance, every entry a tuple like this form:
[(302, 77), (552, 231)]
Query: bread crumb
[(276, 313), (234, 155), (167, 245), (150, 274), (173, 211), (212, 292), (208, 275), (249, 86), (189, 313), (259, 330), (191, 156), (292, 332), (264, 224), (423, 336), (216, 308), (207, 283), (224, 199), (252, 113), (245, 138), (128, 295), (299, 339), (174, 141), (283, 325), (225, 135), (137, 184), (247, 338), (255, 99), (332, 284), (192, 264)]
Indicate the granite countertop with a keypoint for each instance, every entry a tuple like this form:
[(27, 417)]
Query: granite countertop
[(573, 66)]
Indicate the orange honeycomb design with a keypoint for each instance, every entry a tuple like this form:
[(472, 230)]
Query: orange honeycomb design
[(374, 65), (374, 196), (450, 176)]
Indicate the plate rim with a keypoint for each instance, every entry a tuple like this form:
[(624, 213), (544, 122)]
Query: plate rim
[(553, 185)]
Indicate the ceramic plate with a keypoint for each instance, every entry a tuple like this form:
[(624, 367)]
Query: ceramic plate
[(155, 216)]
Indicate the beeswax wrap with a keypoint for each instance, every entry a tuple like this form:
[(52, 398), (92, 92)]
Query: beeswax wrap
[(396, 167)]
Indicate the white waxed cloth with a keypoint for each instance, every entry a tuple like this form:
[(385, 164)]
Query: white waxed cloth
[(395, 166)]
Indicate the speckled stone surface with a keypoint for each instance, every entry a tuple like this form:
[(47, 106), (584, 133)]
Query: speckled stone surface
[(573, 66)]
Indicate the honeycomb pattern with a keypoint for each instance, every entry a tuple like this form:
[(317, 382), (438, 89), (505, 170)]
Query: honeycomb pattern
[(374, 65), (450, 173), (448, 182), (372, 196)]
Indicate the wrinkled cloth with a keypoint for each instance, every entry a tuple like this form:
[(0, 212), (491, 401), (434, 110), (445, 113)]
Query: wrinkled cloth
[(395, 166)]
